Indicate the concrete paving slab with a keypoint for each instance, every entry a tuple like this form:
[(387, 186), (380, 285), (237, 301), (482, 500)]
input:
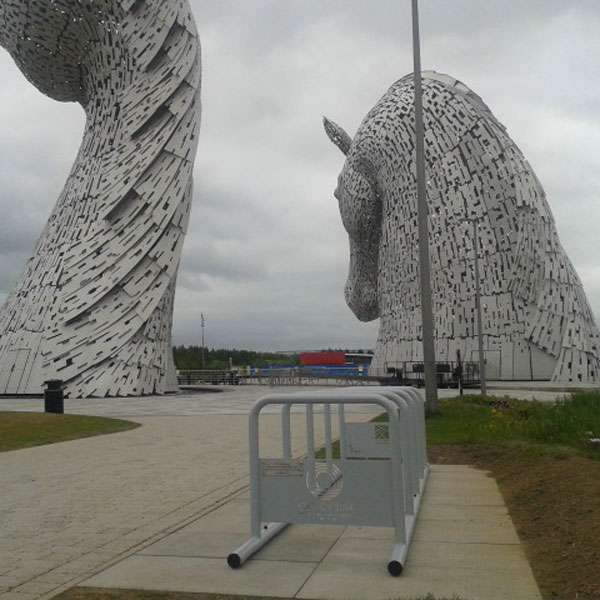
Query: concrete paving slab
[(445, 479), (498, 530), (361, 575), (385, 534), (504, 558), (495, 530), (467, 488), (455, 512), (464, 469), (462, 497), (210, 575), (201, 544), (298, 544), (303, 543), (233, 517)]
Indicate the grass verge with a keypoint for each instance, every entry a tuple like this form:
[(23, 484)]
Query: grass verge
[(475, 420), (26, 430)]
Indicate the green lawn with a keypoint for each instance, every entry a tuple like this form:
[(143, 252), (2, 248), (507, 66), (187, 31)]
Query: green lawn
[(474, 420), (25, 430)]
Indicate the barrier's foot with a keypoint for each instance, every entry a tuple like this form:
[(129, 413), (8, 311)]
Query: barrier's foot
[(239, 556), (395, 568), (234, 560)]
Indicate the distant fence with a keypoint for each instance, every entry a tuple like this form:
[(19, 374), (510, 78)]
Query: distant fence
[(310, 375), (277, 376), (402, 373), (208, 377), (412, 373), (313, 371)]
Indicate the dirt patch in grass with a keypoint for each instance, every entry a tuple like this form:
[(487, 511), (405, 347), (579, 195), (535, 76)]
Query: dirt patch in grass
[(553, 495), (26, 430)]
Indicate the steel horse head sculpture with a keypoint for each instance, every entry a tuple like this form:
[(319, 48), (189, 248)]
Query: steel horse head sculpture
[(537, 321), (94, 306)]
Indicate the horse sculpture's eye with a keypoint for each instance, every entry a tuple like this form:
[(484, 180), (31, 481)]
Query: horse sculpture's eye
[(359, 206)]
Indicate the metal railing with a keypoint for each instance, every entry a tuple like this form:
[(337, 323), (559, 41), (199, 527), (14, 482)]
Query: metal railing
[(377, 480), (211, 377), (449, 374)]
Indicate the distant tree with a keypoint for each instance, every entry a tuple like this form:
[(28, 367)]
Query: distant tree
[(190, 358)]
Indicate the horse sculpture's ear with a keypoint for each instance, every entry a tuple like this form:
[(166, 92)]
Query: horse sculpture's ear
[(337, 135)]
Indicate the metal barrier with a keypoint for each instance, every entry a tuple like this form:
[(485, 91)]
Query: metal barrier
[(213, 377), (378, 479), (449, 374)]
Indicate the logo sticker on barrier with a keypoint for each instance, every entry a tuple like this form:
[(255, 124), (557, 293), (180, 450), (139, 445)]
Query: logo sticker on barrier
[(368, 440), (350, 492)]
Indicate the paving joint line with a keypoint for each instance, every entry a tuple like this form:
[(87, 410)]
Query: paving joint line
[(319, 563)]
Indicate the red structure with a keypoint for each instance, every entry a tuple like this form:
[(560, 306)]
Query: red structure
[(322, 359)]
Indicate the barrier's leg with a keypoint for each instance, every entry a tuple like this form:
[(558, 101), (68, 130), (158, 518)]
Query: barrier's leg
[(259, 536), (342, 434), (255, 491), (328, 441), (310, 446), (398, 558), (238, 557), (286, 431)]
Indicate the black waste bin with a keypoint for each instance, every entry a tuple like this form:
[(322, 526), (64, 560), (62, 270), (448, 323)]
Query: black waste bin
[(54, 397)]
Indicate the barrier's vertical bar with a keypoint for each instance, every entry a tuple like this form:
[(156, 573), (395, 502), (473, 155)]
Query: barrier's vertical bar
[(328, 449), (408, 452), (310, 446), (422, 428), (409, 428), (416, 434), (342, 433), (255, 502), (286, 430), (397, 479)]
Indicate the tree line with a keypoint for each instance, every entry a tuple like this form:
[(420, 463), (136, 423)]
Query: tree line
[(190, 358)]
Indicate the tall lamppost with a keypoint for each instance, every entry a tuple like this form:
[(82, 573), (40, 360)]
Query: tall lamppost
[(202, 324), (482, 374), (430, 369)]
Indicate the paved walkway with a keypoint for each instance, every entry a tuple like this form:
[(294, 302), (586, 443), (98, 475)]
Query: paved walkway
[(237, 400), (464, 544), (68, 509)]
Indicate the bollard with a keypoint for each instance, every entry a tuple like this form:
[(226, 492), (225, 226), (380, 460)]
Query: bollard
[(54, 397)]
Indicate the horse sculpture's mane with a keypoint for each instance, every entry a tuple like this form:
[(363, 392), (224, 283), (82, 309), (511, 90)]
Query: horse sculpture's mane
[(94, 306), (537, 321)]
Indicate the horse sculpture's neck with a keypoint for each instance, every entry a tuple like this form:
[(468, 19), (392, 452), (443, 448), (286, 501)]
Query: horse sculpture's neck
[(94, 307)]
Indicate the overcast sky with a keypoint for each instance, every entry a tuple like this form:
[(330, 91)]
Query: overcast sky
[(266, 254)]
